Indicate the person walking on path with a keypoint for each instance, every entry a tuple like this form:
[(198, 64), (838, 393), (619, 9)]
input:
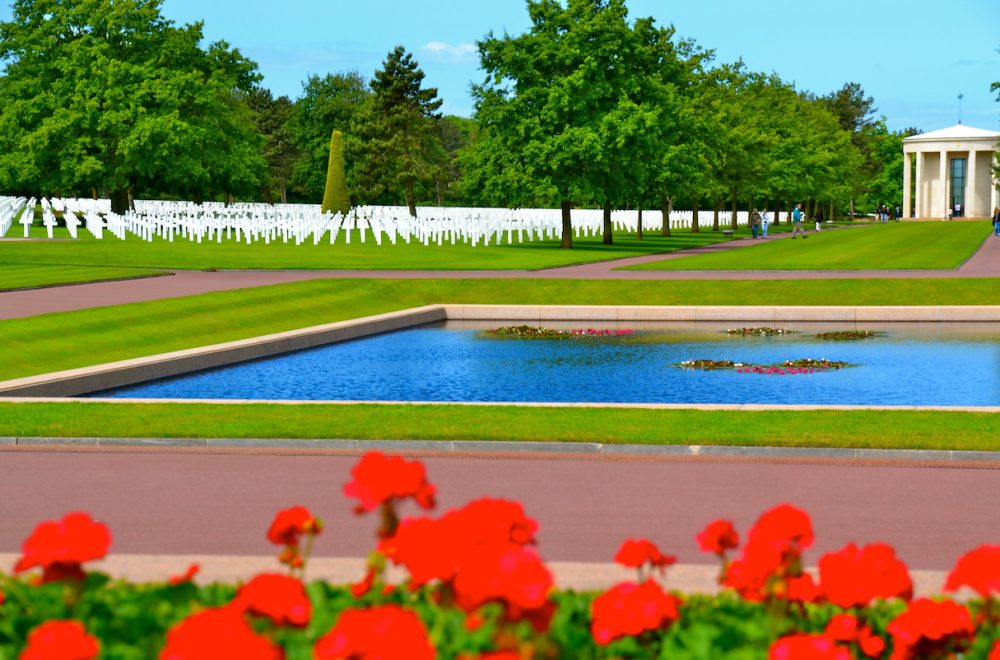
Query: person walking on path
[(797, 216), (764, 222), (754, 224), (996, 221), (819, 218)]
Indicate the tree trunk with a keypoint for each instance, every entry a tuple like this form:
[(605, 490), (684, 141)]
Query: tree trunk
[(284, 193), (716, 205), (608, 238), (666, 207), (851, 207), (411, 201), (732, 220), (831, 210), (567, 225), (638, 226), (119, 201), (438, 192), (695, 228)]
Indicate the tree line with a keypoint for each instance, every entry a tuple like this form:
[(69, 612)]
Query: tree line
[(587, 108)]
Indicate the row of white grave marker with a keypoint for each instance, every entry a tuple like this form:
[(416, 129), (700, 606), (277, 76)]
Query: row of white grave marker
[(304, 223)]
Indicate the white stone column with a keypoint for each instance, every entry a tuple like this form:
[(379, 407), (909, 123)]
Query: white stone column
[(971, 207), (921, 190), (943, 169), (906, 185)]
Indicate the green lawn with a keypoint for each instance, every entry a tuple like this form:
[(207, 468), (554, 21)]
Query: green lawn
[(184, 254), (66, 340), (23, 276), (893, 246), (857, 429)]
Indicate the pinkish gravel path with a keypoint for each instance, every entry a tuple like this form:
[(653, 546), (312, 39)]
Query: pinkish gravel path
[(17, 304), (196, 502)]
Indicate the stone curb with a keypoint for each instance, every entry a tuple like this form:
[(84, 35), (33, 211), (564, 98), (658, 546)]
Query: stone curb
[(506, 447)]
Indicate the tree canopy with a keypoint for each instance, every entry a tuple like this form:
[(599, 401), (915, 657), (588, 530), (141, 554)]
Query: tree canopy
[(108, 95)]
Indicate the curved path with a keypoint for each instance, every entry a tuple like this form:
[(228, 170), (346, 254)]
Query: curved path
[(17, 304)]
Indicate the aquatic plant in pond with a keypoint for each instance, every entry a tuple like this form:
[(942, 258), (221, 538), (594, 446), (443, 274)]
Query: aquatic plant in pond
[(531, 332), (759, 331), (788, 367), (848, 335)]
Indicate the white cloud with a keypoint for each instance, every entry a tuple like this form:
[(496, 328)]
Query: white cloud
[(442, 52)]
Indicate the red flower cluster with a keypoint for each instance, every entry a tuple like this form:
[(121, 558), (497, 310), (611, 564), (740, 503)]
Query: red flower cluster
[(378, 479), (718, 537), (288, 527), (979, 570), (636, 553), (54, 640), (853, 577), (930, 629), (220, 632), (280, 598), (770, 565), (381, 633), (61, 547), (631, 609), (847, 629), (807, 647)]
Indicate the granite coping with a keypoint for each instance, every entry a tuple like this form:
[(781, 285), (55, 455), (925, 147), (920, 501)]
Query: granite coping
[(583, 449)]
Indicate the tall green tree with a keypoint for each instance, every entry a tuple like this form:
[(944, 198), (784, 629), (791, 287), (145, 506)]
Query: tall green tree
[(335, 197), (110, 95), (272, 117), (563, 103), (856, 113), (399, 132), (328, 103)]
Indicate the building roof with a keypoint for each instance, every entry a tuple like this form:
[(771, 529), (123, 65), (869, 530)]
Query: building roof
[(956, 132)]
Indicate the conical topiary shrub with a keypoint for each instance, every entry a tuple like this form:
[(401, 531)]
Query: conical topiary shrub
[(335, 197)]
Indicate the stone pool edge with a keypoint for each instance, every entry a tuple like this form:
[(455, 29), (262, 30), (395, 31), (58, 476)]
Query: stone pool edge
[(74, 382), (582, 449)]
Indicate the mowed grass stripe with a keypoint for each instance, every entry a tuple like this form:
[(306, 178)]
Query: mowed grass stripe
[(903, 429), (22, 276), (894, 246), (67, 340)]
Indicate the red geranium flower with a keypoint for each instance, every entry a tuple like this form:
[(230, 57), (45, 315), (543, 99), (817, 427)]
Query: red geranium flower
[(853, 577), (292, 523), (60, 547), (846, 628), (435, 549), (186, 576), (493, 655), (979, 570), (807, 647), (382, 633), (512, 575), (60, 640), (280, 598), (929, 629), (379, 478), (219, 632), (631, 609), (635, 553), (783, 525), (718, 537), (995, 652)]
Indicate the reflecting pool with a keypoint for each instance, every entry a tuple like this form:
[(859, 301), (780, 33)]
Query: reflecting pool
[(913, 364)]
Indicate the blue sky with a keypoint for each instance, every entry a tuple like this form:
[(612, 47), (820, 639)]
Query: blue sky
[(815, 44)]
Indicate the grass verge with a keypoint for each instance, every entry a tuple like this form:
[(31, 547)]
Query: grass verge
[(894, 246), (27, 276), (67, 340), (903, 429)]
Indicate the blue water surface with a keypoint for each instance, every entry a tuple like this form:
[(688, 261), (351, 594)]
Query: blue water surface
[(438, 364)]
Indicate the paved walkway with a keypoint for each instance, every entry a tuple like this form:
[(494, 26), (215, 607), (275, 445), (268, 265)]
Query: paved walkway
[(219, 503), (18, 304)]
